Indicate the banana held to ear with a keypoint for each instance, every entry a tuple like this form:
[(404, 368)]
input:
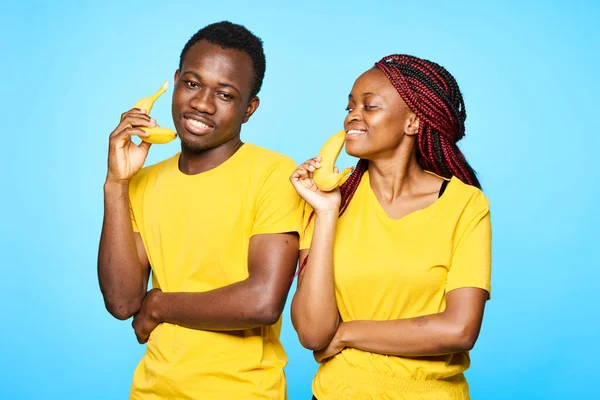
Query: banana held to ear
[(158, 135), (325, 178)]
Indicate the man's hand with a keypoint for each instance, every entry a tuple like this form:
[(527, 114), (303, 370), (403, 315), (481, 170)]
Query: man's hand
[(146, 320), (125, 158)]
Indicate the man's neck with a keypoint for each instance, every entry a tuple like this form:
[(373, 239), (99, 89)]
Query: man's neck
[(196, 162)]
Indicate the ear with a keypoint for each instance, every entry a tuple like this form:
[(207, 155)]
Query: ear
[(412, 125), (252, 106), (176, 77)]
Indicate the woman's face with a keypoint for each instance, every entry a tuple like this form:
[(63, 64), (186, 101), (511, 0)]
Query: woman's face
[(378, 119)]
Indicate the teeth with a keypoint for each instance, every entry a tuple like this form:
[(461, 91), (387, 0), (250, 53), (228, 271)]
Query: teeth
[(198, 124), (354, 132)]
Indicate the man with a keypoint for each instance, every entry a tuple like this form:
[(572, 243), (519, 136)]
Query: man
[(218, 226)]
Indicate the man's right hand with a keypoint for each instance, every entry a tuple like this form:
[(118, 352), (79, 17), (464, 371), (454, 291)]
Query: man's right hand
[(125, 158)]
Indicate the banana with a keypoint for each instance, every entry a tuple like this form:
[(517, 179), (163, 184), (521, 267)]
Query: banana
[(158, 135), (325, 178)]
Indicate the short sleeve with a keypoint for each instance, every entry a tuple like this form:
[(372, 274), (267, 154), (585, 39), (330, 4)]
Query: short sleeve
[(308, 226), (133, 222), (133, 199), (278, 205), (472, 257)]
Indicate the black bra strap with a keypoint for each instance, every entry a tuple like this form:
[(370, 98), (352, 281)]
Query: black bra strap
[(443, 188)]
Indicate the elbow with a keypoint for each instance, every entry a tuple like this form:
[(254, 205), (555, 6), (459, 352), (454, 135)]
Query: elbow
[(314, 336), (269, 316), (121, 310), (313, 341), (268, 312), (465, 338)]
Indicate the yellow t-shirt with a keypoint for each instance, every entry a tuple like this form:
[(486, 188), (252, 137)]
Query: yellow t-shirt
[(388, 269), (196, 230)]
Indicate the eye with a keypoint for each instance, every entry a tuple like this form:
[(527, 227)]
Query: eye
[(369, 107), (191, 84), (225, 96)]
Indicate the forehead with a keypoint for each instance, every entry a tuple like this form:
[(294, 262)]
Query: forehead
[(211, 61), (372, 81)]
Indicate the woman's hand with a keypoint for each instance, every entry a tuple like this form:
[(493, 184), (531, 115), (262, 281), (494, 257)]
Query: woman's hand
[(334, 347), (321, 202)]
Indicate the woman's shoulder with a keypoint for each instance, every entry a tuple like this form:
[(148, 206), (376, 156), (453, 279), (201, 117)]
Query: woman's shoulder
[(471, 196)]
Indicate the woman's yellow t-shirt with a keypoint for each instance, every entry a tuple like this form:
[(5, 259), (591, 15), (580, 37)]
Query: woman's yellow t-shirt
[(196, 231), (388, 269)]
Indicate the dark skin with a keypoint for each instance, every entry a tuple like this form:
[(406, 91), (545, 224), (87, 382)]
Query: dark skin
[(381, 128), (211, 101)]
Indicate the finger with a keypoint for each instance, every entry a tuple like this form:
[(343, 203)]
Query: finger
[(130, 121), (134, 111), (314, 162), (301, 172), (140, 120), (336, 170), (145, 146)]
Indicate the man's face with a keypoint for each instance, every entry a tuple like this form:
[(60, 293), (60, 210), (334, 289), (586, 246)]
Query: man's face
[(211, 98)]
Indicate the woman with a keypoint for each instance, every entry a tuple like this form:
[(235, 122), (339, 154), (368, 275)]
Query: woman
[(396, 263)]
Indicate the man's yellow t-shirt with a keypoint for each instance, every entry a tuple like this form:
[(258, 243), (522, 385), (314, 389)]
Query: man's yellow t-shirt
[(388, 269), (196, 231)]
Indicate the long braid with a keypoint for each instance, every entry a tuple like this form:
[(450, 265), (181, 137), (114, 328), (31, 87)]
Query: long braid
[(432, 93)]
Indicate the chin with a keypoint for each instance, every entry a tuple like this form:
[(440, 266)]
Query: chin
[(195, 146), (357, 151)]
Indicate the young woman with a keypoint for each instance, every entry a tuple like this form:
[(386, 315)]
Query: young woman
[(396, 264)]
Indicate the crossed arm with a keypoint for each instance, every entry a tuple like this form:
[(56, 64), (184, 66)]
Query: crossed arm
[(123, 270), (317, 321)]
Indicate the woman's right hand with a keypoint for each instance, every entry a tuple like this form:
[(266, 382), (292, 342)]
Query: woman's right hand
[(321, 202), (126, 158)]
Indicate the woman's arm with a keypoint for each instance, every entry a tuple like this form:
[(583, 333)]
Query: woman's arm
[(314, 308), (454, 330)]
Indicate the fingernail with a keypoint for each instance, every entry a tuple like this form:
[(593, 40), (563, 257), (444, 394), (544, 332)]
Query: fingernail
[(318, 164), (152, 121)]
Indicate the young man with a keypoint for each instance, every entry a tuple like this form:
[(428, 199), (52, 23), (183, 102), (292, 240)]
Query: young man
[(218, 226)]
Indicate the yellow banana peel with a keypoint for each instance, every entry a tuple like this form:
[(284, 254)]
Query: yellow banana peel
[(325, 178), (158, 135)]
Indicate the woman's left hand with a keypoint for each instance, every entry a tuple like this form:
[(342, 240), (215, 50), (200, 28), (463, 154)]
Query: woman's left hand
[(334, 347)]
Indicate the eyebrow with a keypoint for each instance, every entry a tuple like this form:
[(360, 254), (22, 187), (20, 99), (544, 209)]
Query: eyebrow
[(222, 84), (364, 95)]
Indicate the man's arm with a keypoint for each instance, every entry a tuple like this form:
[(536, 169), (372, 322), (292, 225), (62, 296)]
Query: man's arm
[(255, 301), (123, 266)]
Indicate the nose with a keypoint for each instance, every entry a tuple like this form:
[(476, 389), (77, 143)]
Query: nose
[(353, 116), (203, 101)]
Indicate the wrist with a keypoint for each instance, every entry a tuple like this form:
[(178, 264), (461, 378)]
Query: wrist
[(155, 305), (343, 334), (116, 185), (328, 214)]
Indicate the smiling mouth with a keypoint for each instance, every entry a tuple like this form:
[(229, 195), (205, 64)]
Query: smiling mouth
[(354, 132), (197, 127)]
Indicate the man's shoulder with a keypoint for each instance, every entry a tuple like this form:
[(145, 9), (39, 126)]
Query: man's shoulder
[(263, 159)]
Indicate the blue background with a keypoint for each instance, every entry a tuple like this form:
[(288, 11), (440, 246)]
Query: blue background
[(528, 72)]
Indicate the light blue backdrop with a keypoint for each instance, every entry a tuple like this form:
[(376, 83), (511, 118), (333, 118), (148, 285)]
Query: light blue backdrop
[(528, 71)]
